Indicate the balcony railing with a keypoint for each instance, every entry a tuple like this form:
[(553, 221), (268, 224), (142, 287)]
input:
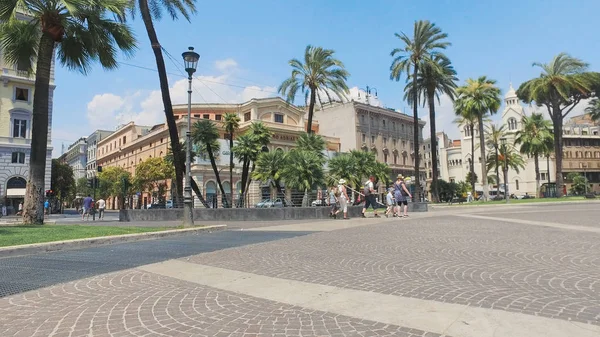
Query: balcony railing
[(11, 140)]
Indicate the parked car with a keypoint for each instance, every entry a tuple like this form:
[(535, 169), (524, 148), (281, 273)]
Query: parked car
[(318, 202), (169, 204), (268, 203)]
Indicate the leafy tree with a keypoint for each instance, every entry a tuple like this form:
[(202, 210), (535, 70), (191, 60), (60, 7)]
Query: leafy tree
[(151, 10), (536, 139), (81, 188), (435, 76), (425, 45), (579, 183), (472, 178), (151, 174), (463, 188), (563, 83), (169, 158), (115, 182), (508, 158), (231, 121), (81, 32), (269, 166), (62, 181), (303, 171), (594, 109), (493, 136), (479, 98), (320, 74), (355, 167), (206, 135), (311, 142), (446, 189)]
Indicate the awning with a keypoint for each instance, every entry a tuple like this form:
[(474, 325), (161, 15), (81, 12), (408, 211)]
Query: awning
[(15, 192)]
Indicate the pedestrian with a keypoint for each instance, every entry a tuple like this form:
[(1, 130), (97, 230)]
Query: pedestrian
[(370, 198), (101, 206), (333, 202), (389, 199), (87, 207), (46, 207), (401, 193), (343, 198)]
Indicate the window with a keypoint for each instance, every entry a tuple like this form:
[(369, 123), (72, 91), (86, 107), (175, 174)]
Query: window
[(364, 138), (217, 117), (403, 143), (384, 141), (362, 119), (197, 115), (467, 131), (206, 116), (19, 128), (385, 158), (18, 158), (124, 139), (383, 123), (278, 118), (22, 94), (372, 122), (395, 142), (161, 140), (246, 116), (517, 184), (372, 139), (395, 159), (512, 124), (394, 126)]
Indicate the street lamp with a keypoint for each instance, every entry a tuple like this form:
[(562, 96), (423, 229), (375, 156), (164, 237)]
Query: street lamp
[(190, 62), (505, 167), (584, 166)]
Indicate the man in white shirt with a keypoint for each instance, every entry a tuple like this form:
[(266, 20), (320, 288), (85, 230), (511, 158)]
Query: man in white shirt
[(101, 205), (370, 197)]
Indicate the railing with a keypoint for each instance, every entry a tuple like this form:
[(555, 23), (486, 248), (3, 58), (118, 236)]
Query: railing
[(15, 140)]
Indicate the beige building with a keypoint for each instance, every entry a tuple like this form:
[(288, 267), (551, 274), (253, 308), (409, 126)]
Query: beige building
[(386, 132), (131, 144), (581, 150)]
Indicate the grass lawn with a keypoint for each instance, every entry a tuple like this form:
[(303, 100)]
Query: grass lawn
[(22, 235)]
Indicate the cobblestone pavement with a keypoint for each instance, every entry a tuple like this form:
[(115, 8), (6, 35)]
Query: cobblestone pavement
[(497, 265), (134, 303), (491, 264)]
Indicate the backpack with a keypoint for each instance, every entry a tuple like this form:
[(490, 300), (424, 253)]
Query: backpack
[(336, 192), (367, 189)]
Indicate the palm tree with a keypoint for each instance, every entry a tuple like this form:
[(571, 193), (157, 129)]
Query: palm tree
[(425, 45), (206, 135), (594, 109), (508, 158), (231, 121), (320, 74), (311, 142), (81, 32), (268, 168), (536, 140), (563, 83), (303, 171), (467, 120), (170, 159), (493, 136), (434, 77), (481, 98), (151, 10)]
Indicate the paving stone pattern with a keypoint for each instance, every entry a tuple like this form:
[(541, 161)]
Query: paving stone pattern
[(527, 269), (19, 274), (136, 303)]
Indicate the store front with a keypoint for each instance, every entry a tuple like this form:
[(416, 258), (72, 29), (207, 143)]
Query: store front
[(15, 194)]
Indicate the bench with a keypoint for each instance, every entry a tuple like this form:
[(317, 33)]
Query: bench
[(590, 196)]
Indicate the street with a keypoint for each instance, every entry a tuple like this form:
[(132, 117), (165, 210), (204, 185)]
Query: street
[(519, 270)]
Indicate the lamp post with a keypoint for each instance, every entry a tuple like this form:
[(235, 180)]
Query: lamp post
[(190, 61), (584, 166), (505, 168)]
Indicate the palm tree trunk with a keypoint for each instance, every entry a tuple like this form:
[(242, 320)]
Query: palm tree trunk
[(231, 169), (557, 121), (33, 208), (166, 97), (505, 171), (536, 164), (211, 156), (249, 179), (245, 168), (472, 127), (417, 194), (434, 174), (196, 190), (305, 198), (497, 173), (311, 109), (482, 161)]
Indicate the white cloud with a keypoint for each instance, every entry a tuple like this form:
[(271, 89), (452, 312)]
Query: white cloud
[(108, 110), (226, 65)]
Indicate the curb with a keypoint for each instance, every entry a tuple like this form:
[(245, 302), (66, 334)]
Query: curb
[(46, 247)]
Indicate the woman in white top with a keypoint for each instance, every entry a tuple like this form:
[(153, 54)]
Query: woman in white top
[(343, 198)]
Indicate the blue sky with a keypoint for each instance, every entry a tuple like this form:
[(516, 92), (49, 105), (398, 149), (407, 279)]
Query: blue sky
[(245, 46)]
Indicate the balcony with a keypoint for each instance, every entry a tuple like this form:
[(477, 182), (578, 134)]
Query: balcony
[(17, 141)]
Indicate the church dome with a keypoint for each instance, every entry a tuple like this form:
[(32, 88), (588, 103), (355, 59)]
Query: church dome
[(511, 92)]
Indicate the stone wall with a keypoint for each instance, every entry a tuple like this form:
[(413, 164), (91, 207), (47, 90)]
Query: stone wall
[(246, 214)]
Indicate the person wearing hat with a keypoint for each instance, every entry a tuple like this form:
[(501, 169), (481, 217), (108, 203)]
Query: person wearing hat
[(343, 198), (401, 193)]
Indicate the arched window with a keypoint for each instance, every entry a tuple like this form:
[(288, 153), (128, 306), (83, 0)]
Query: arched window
[(467, 131), (517, 184), (16, 182), (512, 124)]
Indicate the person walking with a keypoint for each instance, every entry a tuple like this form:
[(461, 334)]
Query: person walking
[(333, 202), (344, 199), (370, 197), (101, 207), (401, 193), (87, 207), (391, 205), (46, 207)]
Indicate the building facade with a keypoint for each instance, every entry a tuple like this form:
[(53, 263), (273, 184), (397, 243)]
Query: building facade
[(76, 157), (386, 132), (132, 144), (92, 147), (16, 107), (581, 150)]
